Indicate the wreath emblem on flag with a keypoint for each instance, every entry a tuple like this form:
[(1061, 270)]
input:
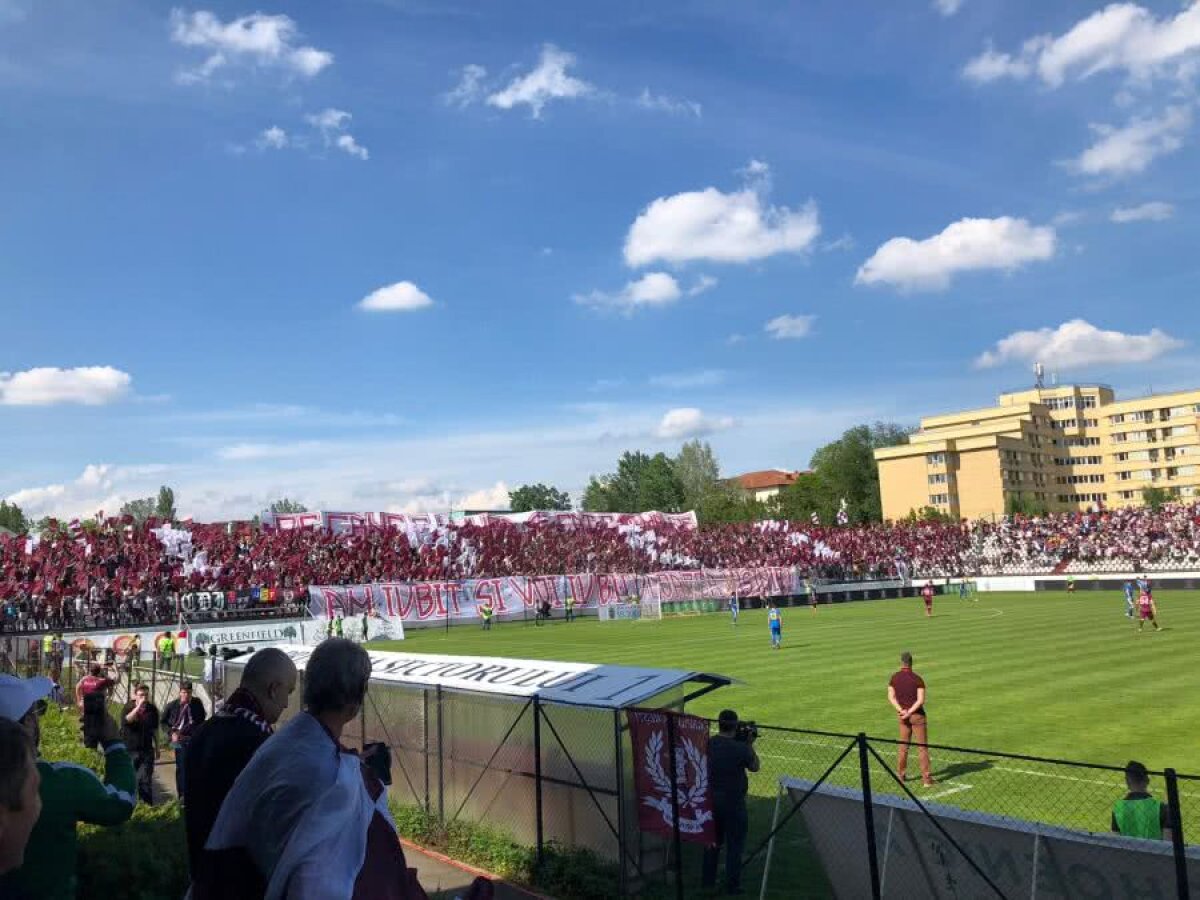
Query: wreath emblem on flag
[(690, 793)]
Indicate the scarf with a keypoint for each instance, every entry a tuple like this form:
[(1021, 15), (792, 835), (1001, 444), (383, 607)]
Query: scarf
[(242, 703)]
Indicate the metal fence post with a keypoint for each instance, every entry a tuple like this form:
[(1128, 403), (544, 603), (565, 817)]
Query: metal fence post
[(864, 771), (678, 844), (441, 761), (425, 741), (619, 759), (1176, 816), (537, 781)]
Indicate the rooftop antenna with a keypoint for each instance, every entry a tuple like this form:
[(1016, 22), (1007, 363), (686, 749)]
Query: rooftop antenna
[(1039, 374)]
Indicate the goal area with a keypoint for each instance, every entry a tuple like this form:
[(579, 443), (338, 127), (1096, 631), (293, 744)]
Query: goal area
[(647, 605)]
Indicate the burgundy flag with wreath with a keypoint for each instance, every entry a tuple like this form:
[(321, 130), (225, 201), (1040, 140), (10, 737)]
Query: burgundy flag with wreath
[(650, 738)]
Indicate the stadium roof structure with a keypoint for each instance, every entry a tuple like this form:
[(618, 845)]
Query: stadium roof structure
[(553, 681)]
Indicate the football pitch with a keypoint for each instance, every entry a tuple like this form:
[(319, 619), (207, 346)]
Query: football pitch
[(1040, 674)]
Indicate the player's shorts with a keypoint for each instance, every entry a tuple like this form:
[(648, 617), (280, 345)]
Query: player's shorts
[(928, 601), (1146, 612)]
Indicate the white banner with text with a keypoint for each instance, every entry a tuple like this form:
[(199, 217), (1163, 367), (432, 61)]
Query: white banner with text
[(515, 595)]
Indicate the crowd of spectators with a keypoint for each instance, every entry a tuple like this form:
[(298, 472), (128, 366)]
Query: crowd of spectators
[(120, 574)]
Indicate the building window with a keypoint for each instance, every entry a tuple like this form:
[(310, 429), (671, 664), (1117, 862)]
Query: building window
[(1116, 420), (939, 499), (939, 478), (1088, 402), (936, 459)]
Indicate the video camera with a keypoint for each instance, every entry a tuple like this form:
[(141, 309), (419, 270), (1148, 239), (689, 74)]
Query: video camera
[(747, 732)]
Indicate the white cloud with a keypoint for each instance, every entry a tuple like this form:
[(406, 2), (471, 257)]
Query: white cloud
[(1076, 344), (673, 105), (1154, 211), (273, 138), (332, 124), (1067, 217), (735, 338), (1122, 37), (947, 7), (548, 81), (652, 289), (1128, 150), (684, 380), (403, 296), (469, 89), (689, 422), (736, 227), (346, 143), (782, 327), (495, 497), (963, 246), (991, 65), (256, 40), (703, 283), (78, 497), (45, 386)]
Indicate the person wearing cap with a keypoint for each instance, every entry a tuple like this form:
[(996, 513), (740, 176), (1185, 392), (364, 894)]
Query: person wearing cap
[(69, 793), (730, 757), (1137, 814), (20, 804)]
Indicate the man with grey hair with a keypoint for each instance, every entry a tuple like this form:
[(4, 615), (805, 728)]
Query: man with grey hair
[(306, 818)]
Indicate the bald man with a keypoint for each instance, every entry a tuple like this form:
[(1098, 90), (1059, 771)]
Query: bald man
[(223, 745)]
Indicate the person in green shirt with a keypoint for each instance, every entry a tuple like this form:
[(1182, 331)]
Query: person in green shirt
[(570, 604), (485, 613), (1137, 814), (338, 627), (70, 794)]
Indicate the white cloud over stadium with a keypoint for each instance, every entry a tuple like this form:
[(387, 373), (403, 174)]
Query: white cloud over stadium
[(968, 245), (49, 386), (1077, 344), (721, 227)]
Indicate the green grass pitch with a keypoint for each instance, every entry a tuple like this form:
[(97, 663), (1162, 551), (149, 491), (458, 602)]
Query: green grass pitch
[(1043, 674)]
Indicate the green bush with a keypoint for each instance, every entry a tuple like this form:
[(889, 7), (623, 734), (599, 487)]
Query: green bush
[(569, 873), (144, 859)]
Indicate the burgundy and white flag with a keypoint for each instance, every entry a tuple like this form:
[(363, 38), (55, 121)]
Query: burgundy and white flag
[(648, 732)]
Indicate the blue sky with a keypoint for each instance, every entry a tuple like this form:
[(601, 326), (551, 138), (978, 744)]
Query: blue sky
[(404, 254)]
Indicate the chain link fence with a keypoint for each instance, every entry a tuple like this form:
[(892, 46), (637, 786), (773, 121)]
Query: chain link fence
[(989, 825)]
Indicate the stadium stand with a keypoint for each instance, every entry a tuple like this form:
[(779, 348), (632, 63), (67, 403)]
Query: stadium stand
[(124, 574)]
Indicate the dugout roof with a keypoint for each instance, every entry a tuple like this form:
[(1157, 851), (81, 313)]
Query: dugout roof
[(573, 683)]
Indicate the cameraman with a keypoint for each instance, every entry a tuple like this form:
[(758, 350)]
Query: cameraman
[(730, 756), (70, 794)]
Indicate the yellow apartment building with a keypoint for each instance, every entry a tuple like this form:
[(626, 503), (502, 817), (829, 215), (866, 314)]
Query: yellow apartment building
[(1067, 447)]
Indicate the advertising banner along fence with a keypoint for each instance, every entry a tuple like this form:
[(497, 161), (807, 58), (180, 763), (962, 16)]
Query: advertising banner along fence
[(422, 601)]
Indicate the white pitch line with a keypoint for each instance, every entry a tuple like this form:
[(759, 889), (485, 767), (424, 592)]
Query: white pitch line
[(948, 792)]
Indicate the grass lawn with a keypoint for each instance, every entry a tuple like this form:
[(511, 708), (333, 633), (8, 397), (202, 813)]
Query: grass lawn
[(1044, 674)]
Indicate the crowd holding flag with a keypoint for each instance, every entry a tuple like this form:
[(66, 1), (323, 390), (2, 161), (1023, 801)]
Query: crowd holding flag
[(843, 515)]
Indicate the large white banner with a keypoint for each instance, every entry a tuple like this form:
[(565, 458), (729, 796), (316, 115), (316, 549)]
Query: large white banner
[(422, 601), (354, 522)]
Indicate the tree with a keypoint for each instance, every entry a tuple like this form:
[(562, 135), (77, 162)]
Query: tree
[(1156, 498), (596, 497), (12, 518), (531, 497), (725, 503), (804, 496), (660, 487), (286, 505), (846, 468), (141, 509), (164, 506), (698, 471), (640, 483), (928, 514), (1019, 504)]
